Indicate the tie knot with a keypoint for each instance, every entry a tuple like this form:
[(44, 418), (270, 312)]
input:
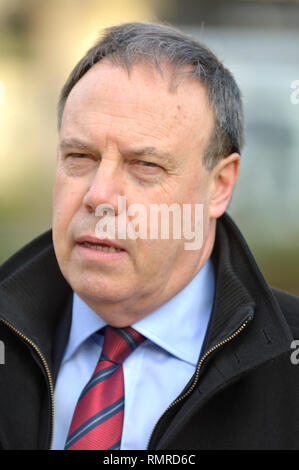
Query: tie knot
[(119, 343)]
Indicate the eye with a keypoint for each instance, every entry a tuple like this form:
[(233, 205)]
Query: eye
[(145, 164), (150, 164), (78, 155), (146, 171)]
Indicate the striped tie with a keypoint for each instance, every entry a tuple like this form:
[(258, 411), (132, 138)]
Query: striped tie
[(98, 418)]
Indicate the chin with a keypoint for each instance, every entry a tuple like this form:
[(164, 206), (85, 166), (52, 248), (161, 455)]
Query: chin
[(101, 294)]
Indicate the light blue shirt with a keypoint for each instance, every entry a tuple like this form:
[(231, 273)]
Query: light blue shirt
[(154, 374)]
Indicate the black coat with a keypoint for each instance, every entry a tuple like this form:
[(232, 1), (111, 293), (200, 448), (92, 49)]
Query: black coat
[(243, 395)]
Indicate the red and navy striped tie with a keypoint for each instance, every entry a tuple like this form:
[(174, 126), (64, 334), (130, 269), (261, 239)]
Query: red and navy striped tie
[(98, 418)]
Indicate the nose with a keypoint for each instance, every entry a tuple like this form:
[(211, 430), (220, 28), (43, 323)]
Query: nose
[(105, 187)]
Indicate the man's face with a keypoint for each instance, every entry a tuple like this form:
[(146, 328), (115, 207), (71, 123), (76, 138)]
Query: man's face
[(128, 135)]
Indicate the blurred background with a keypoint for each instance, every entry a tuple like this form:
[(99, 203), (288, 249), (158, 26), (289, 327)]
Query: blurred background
[(40, 42)]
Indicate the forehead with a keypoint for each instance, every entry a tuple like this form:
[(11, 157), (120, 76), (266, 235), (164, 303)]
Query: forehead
[(140, 101)]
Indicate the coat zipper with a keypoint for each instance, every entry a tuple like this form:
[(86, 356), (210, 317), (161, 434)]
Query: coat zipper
[(46, 367), (199, 366)]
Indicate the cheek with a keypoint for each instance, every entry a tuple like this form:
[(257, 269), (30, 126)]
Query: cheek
[(66, 201)]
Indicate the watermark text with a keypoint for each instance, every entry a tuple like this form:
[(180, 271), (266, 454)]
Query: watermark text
[(156, 221)]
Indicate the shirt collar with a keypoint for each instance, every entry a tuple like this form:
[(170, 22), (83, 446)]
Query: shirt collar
[(85, 322), (178, 326)]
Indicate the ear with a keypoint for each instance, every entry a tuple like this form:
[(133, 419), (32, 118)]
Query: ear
[(224, 177)]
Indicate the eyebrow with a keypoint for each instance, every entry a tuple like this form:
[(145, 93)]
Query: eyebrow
[(74, 142), (141, 152), (163, 157)]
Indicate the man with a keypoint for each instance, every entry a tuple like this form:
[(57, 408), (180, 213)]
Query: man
[(148, 117)]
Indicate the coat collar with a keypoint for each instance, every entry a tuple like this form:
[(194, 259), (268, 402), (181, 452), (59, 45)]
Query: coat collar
[(242, 291), (33, 293)]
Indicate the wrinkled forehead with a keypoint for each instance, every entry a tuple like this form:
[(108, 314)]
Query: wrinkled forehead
[(141, 87)]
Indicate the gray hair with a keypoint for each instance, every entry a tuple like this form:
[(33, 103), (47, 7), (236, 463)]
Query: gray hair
[(154, 43)]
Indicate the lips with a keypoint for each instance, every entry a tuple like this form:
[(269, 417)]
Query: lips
[(94, 243)]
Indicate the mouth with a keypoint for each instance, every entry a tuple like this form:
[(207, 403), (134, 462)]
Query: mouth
[(106, 246), (102, 247)]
